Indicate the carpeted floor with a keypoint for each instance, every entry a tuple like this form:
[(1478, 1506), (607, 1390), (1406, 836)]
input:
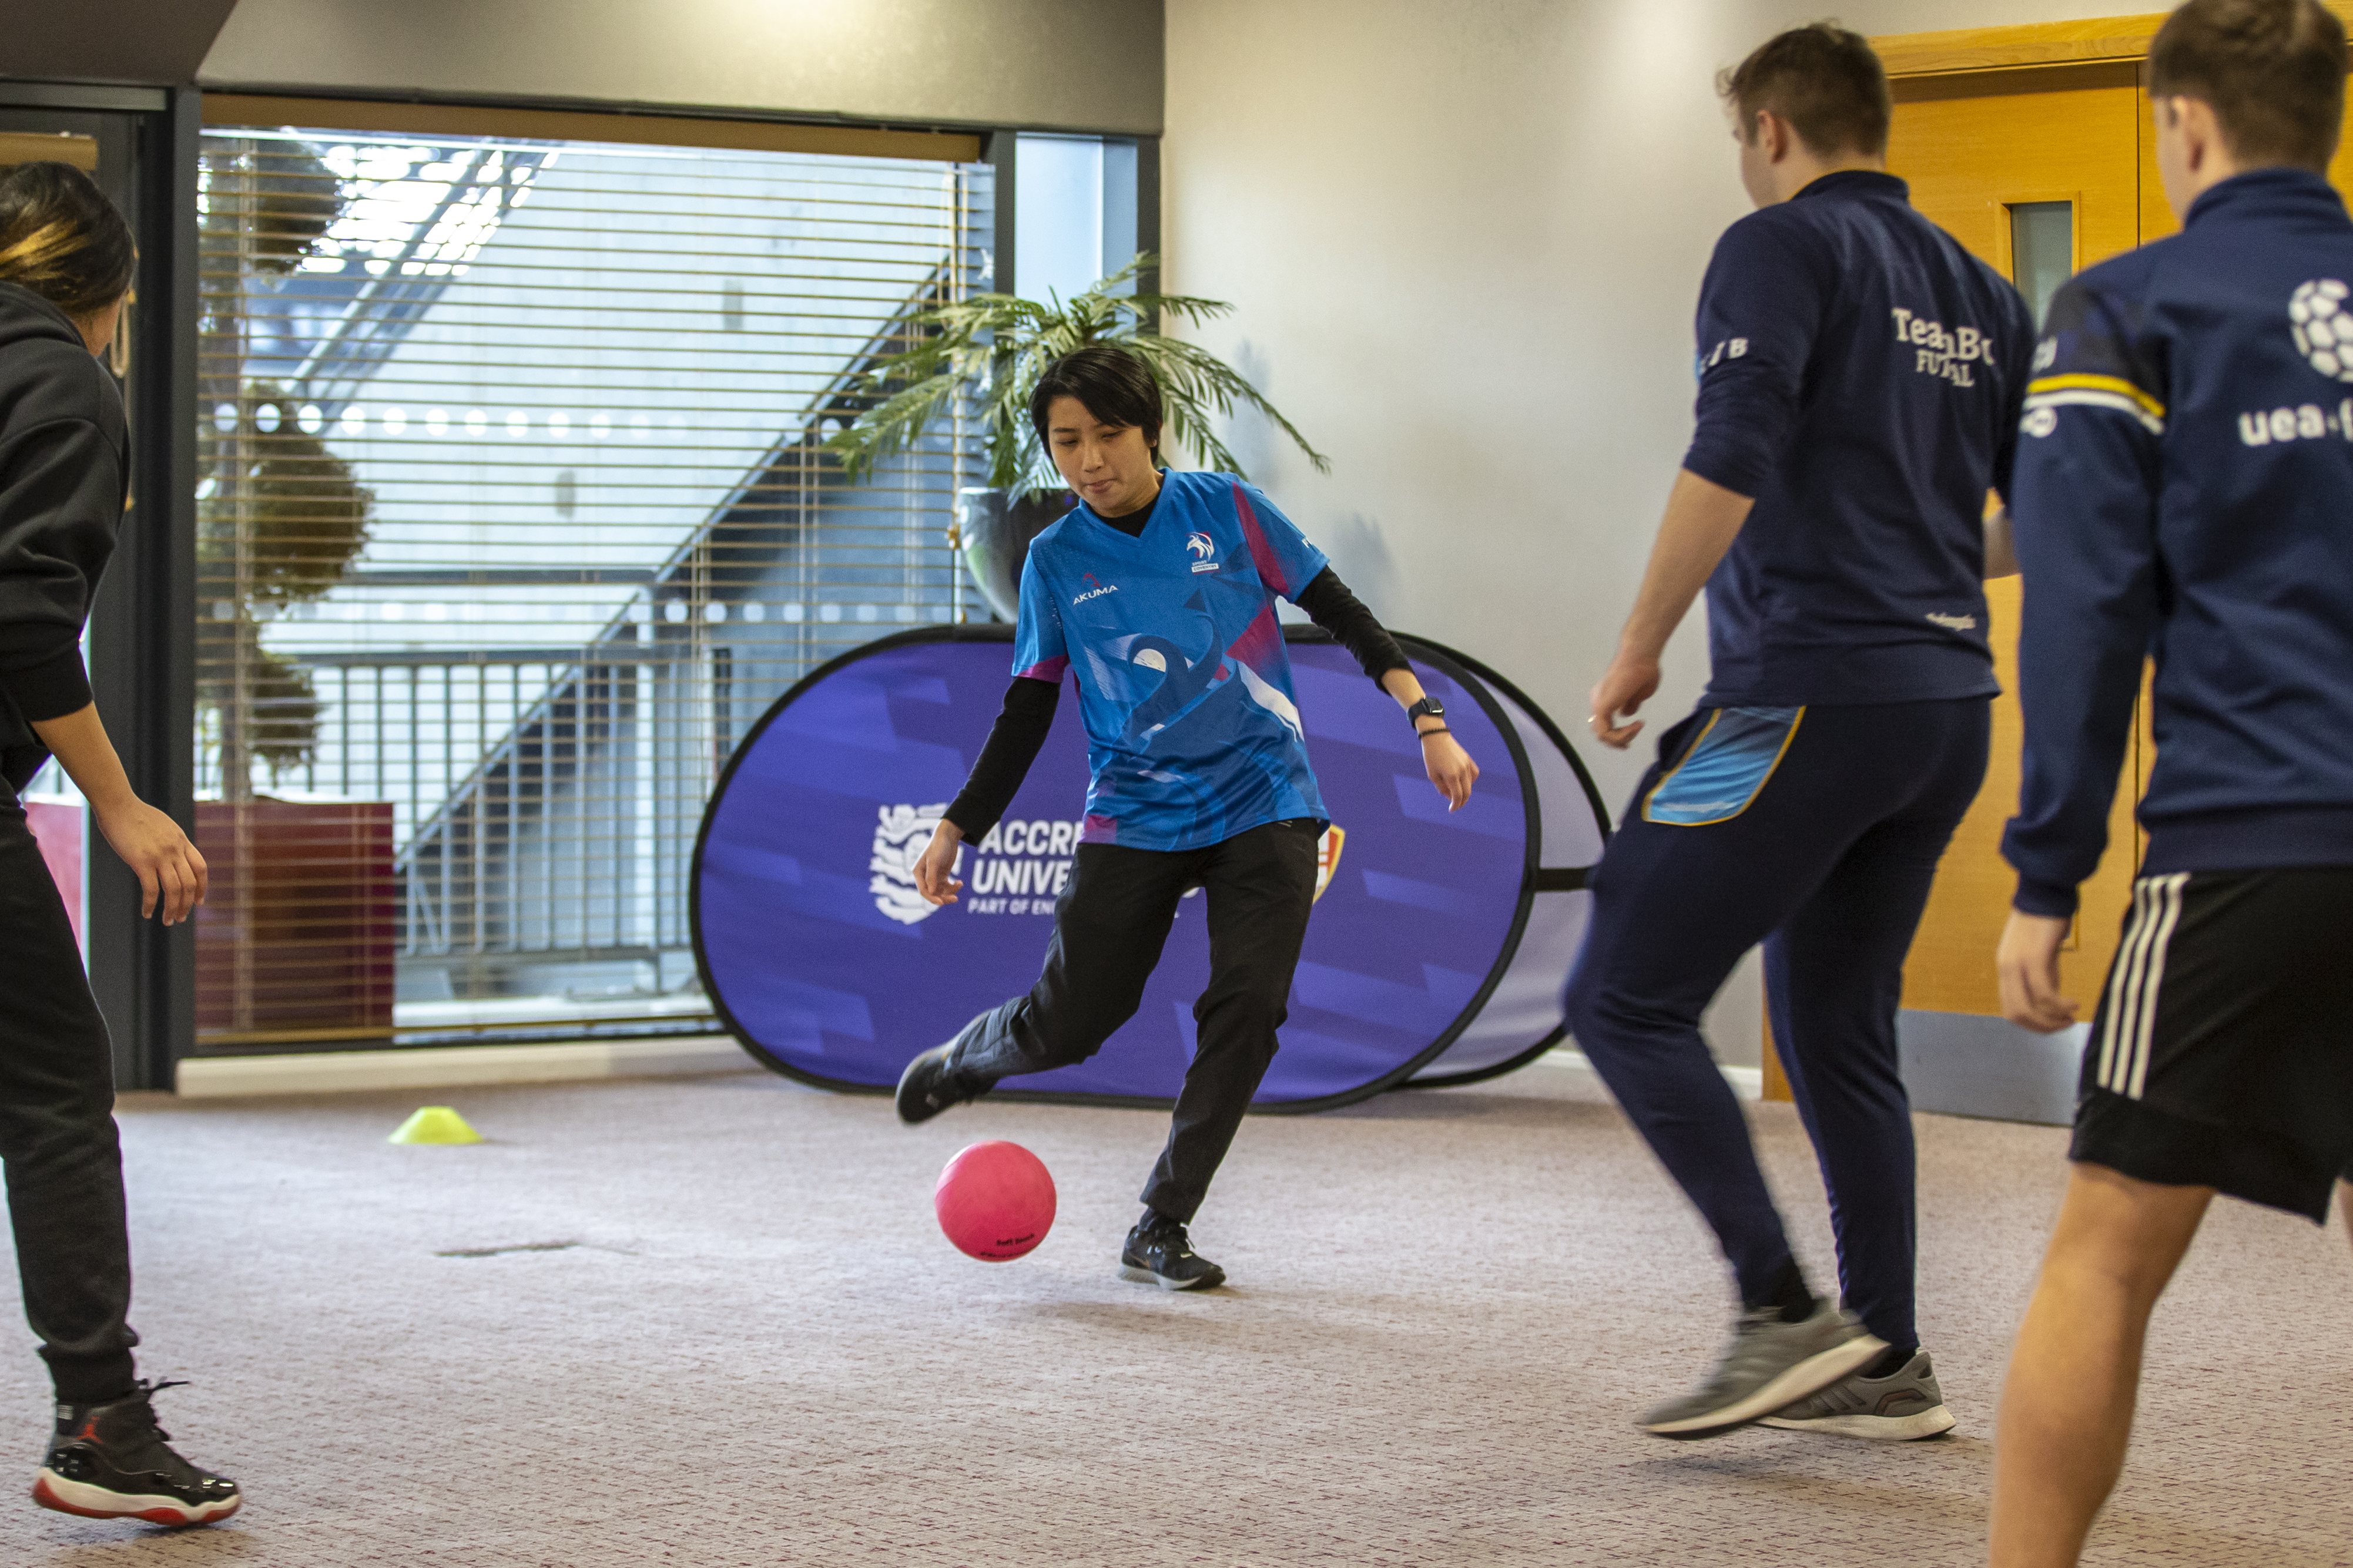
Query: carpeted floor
[(757, 1348)]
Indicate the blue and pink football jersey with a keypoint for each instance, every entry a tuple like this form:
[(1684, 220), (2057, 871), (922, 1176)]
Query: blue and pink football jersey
[(1193, 733)]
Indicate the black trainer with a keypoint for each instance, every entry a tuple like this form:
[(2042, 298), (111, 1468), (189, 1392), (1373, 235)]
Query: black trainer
[(111, 1461), (928, 1087), (1159, 1253)]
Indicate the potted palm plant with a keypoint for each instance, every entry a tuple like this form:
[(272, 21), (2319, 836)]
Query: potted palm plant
[(992, 349)]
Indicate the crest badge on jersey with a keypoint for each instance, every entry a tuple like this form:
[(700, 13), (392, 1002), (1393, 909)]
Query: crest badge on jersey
[(1204, 551)]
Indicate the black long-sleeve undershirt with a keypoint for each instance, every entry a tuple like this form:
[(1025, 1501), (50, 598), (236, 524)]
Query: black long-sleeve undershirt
[(1013, 743), (1329, 604), (1019, 733)]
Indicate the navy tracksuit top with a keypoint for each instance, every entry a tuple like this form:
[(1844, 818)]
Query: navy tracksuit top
[(2184, 490), (1860, 377)]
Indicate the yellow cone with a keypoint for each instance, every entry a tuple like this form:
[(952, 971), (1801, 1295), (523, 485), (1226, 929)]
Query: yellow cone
[(435, 1124)]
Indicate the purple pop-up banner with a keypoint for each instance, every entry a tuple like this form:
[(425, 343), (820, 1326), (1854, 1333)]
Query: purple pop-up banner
[(1435, 954)]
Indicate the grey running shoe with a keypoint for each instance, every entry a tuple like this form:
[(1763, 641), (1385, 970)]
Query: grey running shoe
[(1768, 1366), (1898, 1408)]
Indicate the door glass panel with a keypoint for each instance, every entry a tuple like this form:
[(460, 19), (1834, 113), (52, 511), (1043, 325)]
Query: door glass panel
[(515, 515), (2041, 251)]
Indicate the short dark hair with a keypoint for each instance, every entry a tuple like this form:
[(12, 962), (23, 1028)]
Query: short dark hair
[(2271, 70), (1825, 81), (1112, 384), (62, 239)]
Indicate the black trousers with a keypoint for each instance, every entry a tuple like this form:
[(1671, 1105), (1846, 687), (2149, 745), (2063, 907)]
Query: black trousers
[(1109, 927), (56, 1133)]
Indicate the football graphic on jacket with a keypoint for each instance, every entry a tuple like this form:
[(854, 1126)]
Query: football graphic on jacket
[(2323, 326)]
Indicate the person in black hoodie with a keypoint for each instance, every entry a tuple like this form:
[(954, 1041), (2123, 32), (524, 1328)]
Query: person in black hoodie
[(66, 263)]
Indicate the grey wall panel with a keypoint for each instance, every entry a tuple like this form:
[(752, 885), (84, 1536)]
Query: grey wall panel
[(1965, 1065), (1080, 65), (1463, 242), (160, 42)]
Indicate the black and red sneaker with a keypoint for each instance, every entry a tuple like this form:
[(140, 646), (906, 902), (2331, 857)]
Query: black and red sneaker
[(111, 1461)]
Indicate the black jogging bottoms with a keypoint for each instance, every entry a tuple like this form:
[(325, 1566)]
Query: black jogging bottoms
[(1109, 927), (56, 1133)]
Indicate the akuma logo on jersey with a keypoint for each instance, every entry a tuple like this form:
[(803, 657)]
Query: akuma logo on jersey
[(1204, 551), (2323, 324), (1093, 590)]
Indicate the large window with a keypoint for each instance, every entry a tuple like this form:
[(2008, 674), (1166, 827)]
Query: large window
[(514, 514)]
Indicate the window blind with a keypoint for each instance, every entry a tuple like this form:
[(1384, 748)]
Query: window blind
[(513, 515)]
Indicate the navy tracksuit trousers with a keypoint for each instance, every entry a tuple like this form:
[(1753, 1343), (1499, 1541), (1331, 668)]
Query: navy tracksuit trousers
[(1829, 865)]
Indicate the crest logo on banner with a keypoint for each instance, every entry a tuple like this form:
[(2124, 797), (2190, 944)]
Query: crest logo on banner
[(1327, 857), (900, 839)]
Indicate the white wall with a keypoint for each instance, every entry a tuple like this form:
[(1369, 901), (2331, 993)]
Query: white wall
[(1085, 65), (1464, 234), (1465, 240)]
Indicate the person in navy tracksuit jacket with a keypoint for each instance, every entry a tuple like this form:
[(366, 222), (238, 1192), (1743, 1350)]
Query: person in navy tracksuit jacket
[(2184, 494), (1860, 378)]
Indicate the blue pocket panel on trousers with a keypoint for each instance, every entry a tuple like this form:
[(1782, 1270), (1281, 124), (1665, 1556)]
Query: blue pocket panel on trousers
[(1717, 778)]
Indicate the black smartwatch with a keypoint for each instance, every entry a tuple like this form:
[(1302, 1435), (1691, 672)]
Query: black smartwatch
[(1430, 707)]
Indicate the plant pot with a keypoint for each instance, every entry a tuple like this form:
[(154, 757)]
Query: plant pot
[(996, 527), (295, 943)]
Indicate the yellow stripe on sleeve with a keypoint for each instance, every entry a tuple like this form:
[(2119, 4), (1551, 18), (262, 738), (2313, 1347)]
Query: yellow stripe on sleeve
[(2110, 383)]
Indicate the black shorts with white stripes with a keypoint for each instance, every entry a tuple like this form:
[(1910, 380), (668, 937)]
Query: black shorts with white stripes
[(2221, 1054)]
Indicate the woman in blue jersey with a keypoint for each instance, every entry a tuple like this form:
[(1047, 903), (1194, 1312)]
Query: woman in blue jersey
[(1157, 594)]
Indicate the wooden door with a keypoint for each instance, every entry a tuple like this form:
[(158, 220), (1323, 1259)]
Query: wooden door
[(1990, 156), (1988, 121)]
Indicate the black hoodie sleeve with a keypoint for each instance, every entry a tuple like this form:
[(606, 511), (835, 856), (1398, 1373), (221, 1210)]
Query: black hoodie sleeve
[(1014, 742), (61, 483), (1329, 604)]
